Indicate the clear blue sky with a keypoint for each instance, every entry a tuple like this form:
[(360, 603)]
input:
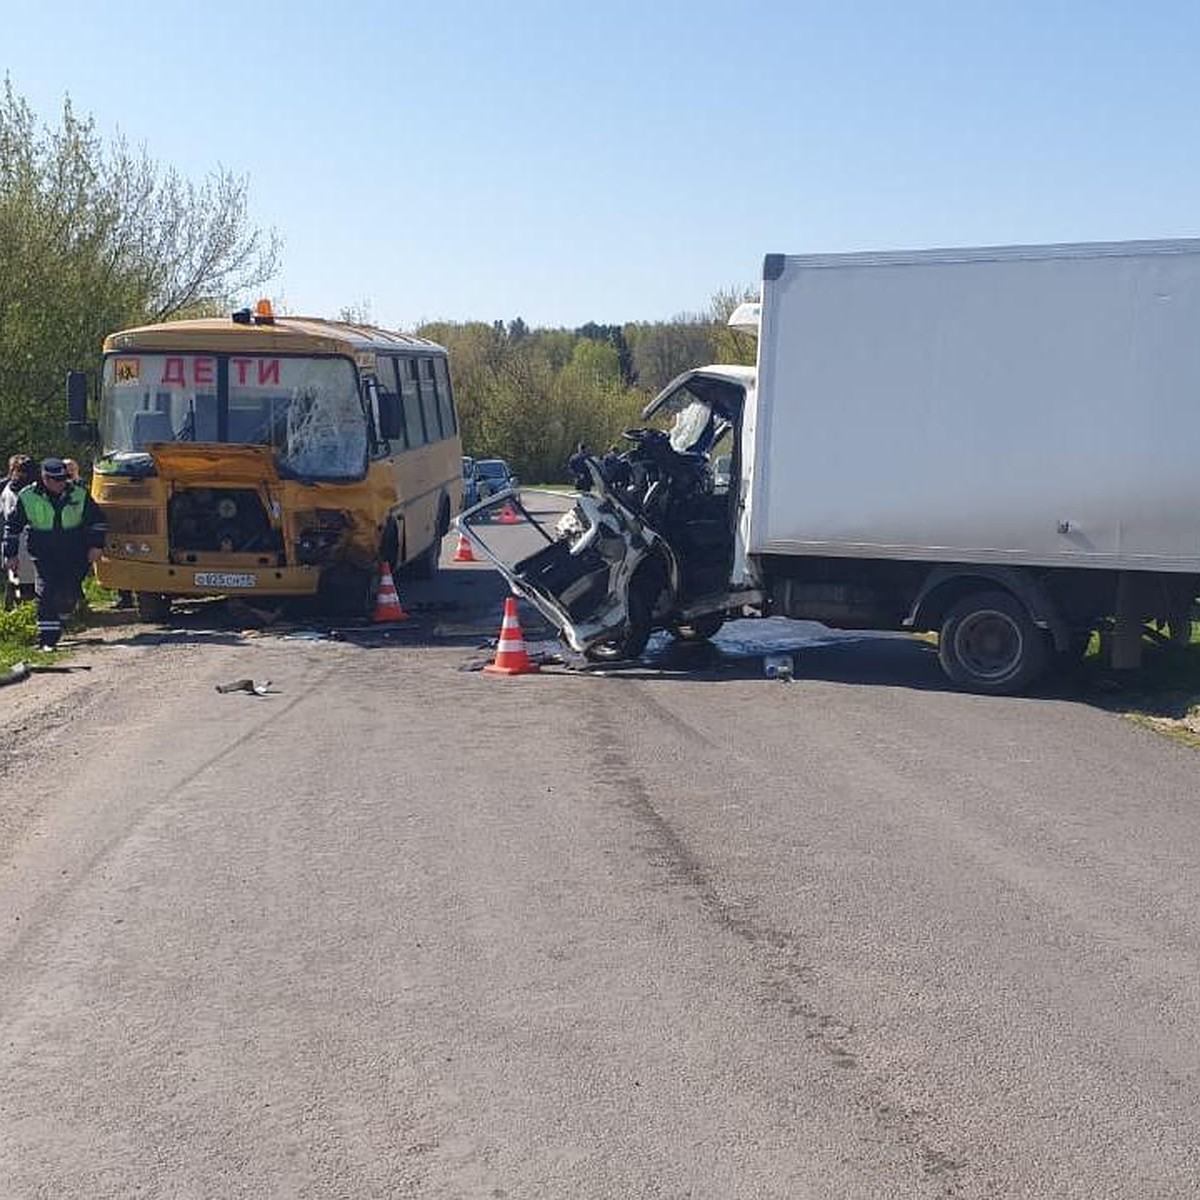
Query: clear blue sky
[(622, 160)]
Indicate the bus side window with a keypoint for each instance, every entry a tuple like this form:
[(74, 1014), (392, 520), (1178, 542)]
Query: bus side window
[(412, 402), (429, 401), (385, 374), (441, 378)]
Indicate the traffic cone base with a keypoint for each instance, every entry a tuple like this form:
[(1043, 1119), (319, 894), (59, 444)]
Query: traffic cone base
[(511, 658), (387, 599), (464, 553), (508, 515)]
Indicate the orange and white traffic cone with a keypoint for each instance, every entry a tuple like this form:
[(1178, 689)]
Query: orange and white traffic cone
[(387, 599), (508, 515), (464, 553), (511, 658)]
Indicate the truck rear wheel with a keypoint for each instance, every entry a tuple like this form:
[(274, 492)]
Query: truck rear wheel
[(989, 644)]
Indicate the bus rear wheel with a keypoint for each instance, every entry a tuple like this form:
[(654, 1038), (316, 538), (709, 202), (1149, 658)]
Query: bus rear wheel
[(424, 566)]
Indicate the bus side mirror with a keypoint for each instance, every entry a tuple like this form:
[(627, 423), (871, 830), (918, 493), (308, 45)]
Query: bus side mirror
[(391, 425), (79, 428)]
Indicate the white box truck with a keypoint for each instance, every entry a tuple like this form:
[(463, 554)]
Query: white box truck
[(999, 445)]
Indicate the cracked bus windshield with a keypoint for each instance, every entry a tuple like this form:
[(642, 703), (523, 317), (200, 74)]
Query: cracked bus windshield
[(306, 409)]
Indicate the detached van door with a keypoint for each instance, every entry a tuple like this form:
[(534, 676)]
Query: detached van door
[(576, 572)]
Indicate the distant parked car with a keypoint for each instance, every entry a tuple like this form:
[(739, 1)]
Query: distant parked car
[(469, 486), (492, 475)]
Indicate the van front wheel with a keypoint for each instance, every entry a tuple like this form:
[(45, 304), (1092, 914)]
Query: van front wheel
[(632, 639), (989, 644)]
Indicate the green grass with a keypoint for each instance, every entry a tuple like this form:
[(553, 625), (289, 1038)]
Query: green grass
[(1164, 694), (18, 638), (18, 627)]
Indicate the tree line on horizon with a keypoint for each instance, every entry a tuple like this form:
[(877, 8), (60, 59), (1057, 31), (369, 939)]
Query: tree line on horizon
[(532, 395), (96, 237)]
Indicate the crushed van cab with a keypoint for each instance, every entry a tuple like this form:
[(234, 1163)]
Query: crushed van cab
[(648, 542)]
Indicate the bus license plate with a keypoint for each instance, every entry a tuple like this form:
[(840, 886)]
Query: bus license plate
[(225, 579)]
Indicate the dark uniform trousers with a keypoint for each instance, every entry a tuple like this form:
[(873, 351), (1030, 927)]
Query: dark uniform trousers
[(62, 529)]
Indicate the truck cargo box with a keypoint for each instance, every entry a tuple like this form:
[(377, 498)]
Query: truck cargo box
[(1027, 405)]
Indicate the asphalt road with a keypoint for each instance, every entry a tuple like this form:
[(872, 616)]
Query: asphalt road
[(403, 929)]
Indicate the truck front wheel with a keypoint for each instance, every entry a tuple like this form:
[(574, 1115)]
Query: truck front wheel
[(989, 644)]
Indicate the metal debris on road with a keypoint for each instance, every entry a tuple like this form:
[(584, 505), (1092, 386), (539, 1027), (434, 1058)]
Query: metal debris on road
[(22, 670), (779, 666), (17, 672), (255, 687)]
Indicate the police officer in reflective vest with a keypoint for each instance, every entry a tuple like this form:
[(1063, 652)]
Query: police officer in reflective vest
[(66, 535)]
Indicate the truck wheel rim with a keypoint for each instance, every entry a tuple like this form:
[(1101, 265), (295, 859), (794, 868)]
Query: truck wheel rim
[(989, 644)]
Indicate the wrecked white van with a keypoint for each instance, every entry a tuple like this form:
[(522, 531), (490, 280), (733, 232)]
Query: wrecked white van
[(998, 445), (649, 540)]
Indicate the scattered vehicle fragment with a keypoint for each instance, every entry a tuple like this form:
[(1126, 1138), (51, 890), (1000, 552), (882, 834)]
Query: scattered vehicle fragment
[(255, 687), (22, 670), (779, 666), (18, 672), (998, 445)]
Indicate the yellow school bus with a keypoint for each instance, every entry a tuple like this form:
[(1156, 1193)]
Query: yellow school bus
[(270, 456)]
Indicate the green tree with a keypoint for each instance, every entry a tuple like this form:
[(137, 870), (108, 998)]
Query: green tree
[(532, 402), (94, 238), (615, 336), (732, 345), (661, 349)]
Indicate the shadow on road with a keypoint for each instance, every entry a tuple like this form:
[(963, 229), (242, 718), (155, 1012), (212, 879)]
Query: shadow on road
[(463, 606)]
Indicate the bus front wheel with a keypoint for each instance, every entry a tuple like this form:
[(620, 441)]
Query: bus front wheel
[(153, 607), (346, 592)]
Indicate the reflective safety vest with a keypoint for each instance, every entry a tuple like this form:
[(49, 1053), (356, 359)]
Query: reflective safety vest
[(41, 512)]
